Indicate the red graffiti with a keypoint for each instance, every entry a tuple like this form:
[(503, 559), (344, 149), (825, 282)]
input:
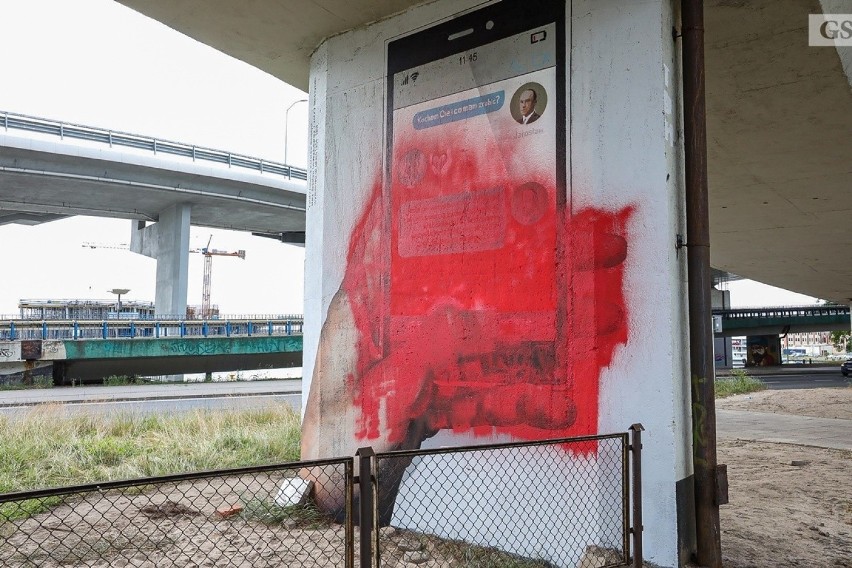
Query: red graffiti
[(483, 307)]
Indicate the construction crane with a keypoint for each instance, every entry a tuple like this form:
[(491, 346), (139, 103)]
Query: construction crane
[(208, 254)]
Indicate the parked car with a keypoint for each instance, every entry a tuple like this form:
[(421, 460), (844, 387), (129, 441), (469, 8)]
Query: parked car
[(846, 367)]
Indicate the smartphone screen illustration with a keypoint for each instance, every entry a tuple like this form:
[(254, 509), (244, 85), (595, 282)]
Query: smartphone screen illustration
[(474, 196)]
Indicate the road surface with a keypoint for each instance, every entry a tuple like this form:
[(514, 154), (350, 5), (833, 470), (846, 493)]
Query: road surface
[(805, 378), (155, 398), (159, 398)]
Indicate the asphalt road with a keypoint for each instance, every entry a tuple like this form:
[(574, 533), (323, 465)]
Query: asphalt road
[(154, 398), (159, 399), (163, 406), (805, 379)]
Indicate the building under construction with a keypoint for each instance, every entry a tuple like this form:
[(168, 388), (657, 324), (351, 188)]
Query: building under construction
[(77, 309), (73, 309)]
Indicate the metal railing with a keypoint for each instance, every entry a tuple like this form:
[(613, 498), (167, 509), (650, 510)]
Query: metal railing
[(18, 329), (782, 311), (116, 138), (566, 502)]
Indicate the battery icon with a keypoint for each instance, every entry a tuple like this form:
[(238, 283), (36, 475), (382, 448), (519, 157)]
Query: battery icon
[(538, 36)]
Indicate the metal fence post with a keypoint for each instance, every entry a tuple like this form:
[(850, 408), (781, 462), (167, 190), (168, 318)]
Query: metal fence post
[(636, 449), (365, 503)]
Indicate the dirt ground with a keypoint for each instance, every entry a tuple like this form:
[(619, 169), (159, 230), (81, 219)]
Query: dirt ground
[(820, 403), (790, 505)]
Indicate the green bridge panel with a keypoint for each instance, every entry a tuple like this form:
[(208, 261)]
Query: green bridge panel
[(781, 321), (177, 347)]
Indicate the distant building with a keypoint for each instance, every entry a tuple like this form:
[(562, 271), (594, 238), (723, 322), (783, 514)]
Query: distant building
[(72, 309), (810, 344), (77, 309), (739, 351)]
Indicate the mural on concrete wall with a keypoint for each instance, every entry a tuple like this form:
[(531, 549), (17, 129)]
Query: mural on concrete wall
[(479, 302), (476, 297), (483, 341), (763, 350)]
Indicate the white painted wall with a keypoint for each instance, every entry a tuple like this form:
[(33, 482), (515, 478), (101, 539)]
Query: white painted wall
[(625, 149)]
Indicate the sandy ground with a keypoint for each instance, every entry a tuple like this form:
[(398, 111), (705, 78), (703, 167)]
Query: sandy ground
[(820, 403), (790, 505)]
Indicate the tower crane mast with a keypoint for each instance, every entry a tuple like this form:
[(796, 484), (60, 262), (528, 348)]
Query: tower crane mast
[(207, 281), (208, 254)]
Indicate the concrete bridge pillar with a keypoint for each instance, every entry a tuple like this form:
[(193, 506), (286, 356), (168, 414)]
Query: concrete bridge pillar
[(167, 240), (443, 309)]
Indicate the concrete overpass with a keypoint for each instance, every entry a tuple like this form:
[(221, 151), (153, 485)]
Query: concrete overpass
[(778, 117), (778, 120), (51, 169), (781, 320), (82, 351)]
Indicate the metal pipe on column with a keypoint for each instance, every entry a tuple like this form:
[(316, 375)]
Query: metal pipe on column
[(708, 552)]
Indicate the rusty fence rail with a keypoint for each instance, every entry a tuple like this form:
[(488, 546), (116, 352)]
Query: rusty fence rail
[(237, 517), (566, 502)]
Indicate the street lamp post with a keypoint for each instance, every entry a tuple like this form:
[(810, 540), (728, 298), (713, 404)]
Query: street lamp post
[(118, 292), (287, 123)]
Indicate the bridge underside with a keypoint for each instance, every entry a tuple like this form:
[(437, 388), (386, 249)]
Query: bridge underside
[(93, 371), (783, 329), (778, 117), (88, 360), (44, 181)]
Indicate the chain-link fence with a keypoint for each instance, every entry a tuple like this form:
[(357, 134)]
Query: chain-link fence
[(249, 517), (538, 504), (562, 503)]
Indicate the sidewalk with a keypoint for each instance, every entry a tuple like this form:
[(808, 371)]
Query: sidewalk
[(70, 395), (784, 428)]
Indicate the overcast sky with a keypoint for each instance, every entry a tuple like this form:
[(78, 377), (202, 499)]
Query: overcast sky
[(98, 63)]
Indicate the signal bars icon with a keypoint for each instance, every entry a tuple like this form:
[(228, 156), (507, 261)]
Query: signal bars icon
[(412, 76)]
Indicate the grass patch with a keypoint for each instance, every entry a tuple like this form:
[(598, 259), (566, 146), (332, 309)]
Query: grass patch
[(47, 448), (24, 509), (295, 516), (38, 382), (474, 556), (740, 382), (121, 380)]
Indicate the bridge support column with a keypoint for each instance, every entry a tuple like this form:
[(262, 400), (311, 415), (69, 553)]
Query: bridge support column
[(406, 286), (167, 240)]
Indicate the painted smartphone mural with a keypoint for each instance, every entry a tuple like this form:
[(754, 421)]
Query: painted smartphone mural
[(476, 302), (475, 199)]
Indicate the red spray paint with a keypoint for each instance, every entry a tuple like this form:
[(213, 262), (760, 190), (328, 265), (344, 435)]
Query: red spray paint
[(482, 307)]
